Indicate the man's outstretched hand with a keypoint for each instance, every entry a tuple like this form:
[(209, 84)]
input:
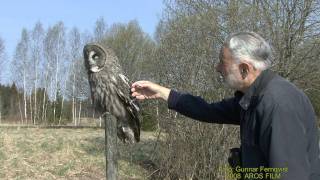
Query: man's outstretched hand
[(149, 90)]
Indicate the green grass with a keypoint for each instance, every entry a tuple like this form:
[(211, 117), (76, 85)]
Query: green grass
[(38, 153)]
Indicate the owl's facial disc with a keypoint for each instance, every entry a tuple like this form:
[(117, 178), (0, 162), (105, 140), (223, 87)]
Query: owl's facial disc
[(93, 57)]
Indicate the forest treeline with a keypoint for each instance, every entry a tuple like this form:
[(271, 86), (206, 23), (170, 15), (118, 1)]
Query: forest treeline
[(49, 79), (11, 104)]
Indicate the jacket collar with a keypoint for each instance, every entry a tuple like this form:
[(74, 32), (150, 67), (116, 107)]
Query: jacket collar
[(256, 89)]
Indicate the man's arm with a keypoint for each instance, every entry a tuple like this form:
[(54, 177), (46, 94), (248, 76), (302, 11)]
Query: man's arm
[(223, 112)]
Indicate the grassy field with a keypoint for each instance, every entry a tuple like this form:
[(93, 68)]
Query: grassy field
[(41, 153)]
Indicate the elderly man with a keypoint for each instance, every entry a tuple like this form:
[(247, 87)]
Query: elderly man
[(277, 122)]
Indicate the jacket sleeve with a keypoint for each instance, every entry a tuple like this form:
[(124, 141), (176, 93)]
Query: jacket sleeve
[(223, 112), (284, 143)]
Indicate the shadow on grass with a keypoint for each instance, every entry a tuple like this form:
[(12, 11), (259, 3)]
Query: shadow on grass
[(138, 154), (93, 146)]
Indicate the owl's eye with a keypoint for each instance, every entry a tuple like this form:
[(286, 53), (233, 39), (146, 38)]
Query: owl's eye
[(95, 56)]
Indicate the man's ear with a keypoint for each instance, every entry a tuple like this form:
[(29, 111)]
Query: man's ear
[(244, 70)]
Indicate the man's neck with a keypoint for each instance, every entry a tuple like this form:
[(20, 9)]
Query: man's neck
[(250, 80)]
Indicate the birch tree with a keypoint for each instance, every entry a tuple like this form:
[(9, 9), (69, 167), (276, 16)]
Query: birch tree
[(55, 54), (37, 38), (78, 85), (20, 69), (100, 29), (75, 55)]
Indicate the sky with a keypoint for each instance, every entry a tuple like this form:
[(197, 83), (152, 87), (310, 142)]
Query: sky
[(18, 14)]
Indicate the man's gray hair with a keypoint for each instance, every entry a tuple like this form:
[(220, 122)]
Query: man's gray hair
[(250, 47)]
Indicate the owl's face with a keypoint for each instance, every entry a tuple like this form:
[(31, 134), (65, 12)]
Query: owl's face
[(94, 57)]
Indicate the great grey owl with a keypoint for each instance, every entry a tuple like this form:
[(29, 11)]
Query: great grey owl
[(110, 90)]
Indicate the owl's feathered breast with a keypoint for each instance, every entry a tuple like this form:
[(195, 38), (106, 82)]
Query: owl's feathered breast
[(103, 90), (110, 92)]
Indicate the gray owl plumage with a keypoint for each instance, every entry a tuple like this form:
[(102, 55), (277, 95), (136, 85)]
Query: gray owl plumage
[(110, 90)]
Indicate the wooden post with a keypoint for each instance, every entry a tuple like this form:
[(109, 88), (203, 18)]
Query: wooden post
[(111, 147)]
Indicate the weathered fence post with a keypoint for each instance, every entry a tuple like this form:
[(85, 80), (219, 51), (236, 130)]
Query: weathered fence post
[(111, 147)]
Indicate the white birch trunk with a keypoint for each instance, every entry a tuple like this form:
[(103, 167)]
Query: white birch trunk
[(79, 120), (35, 115), (56, 82), (61, 110), (75, 112), (24, 96), (73, 95), (20, 110), (31, 109)]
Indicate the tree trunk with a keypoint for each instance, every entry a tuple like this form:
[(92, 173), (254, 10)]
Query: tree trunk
[(21, 115), (35, 114), (73, 97), (56, 87), (24, 96), (44, 106), (31, 109), (79, 121), (75, 113), (61, 110)]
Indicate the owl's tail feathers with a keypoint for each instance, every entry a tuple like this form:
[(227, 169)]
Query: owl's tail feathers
[(137, 127), (129, 127), (134, 119)]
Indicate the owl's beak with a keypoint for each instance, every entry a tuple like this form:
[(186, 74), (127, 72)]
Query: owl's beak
[(95, 69)]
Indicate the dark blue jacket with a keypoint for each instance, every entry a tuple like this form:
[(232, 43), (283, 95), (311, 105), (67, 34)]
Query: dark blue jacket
[(277, 124)]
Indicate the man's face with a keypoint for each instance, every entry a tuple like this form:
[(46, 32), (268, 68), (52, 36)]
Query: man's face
[(229, 70)]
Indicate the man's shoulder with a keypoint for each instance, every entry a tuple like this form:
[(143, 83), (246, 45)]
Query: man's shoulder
[(281, 93), (280, 90)]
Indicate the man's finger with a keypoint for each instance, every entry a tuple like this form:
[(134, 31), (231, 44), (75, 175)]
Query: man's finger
[(139, 83), (134, 94), (140, 97), (140, 86)]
